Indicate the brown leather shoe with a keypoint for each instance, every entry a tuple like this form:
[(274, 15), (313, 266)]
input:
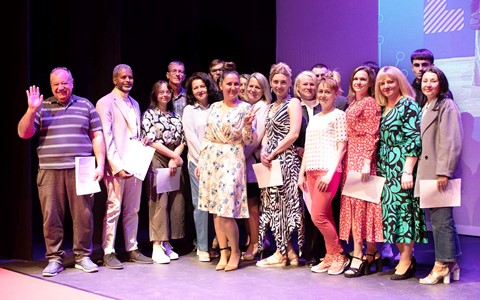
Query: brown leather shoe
[(138, 257)]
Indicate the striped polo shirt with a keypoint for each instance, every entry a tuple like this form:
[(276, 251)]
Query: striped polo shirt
[(64, 131)]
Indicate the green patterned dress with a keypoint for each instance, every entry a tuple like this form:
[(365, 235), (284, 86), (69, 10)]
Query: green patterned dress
[(403, 219)]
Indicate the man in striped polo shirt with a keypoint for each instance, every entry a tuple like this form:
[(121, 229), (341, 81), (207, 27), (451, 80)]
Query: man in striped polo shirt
[(68, 126)]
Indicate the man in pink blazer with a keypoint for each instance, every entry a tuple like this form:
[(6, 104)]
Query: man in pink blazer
[(120, 117)]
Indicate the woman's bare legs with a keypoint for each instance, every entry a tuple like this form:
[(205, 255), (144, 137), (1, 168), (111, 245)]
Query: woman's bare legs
[(222, 243), (405, 257), (253, 224), (229, 229)]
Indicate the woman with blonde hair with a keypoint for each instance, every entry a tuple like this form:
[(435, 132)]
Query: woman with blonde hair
[(257, 93), (398, 151), (281, 207), (321, 172)]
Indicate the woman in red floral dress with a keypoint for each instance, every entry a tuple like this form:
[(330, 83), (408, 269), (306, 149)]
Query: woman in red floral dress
[(363, 219)]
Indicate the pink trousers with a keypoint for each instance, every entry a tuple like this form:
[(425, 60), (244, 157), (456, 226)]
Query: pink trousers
[(321, 213)]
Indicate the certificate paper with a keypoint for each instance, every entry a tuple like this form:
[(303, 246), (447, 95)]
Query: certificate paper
[(370, 191), (84, 174), (430, 196), (137, 158), (268, 177), (165, 182)]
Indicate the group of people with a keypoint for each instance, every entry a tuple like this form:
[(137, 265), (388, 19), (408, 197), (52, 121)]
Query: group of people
[(226, 122)]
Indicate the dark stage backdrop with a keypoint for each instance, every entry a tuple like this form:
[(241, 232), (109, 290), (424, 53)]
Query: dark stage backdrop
[(90, 38)]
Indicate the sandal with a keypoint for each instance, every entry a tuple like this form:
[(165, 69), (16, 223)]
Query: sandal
[(272, 261), (376, 260), (353, 272), (292, 257)]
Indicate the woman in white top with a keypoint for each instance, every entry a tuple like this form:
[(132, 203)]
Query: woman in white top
[(258, 94), (321, 172), (200, 94)]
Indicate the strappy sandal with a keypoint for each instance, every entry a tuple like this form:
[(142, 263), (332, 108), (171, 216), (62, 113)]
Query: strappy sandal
[(376, 260), (272, 261), (352, 272)]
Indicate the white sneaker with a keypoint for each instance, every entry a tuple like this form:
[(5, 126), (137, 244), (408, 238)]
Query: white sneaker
[(203, 256), (168, 250), (159, 256)]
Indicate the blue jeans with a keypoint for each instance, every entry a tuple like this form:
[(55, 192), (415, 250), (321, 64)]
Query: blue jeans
[(445, 237), (200, 217)]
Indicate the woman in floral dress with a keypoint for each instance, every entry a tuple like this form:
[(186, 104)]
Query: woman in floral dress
[(399, 147), (361, 218), (221, 167)]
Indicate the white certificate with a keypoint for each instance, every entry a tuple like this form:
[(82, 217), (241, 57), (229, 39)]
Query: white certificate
[(370, 191), (137, 158), (84, 176), (268, 177), (165, 182), (430, 196)]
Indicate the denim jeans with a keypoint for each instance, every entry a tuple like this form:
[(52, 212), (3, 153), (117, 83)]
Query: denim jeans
[(200, 217), (445, 237)]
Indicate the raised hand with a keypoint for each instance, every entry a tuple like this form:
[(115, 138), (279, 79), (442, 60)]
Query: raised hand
[(35, 99), (250, 116)]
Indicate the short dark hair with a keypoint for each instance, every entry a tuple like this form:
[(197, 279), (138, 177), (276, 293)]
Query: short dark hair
[(212, 95), (423, 54), (229, 66), (319, 65)]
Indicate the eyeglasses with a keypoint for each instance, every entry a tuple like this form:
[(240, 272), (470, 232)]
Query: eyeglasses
[(177, 71), (216, 70), (425, 64)]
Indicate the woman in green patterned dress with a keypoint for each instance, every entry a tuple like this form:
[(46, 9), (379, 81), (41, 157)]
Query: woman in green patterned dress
[(399, 147)]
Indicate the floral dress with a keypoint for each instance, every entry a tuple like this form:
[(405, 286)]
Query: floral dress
[(222, 184), (403, 219), (362, 218), (281, 209)]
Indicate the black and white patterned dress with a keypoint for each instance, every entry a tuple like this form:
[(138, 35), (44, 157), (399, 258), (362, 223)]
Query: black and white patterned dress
[(281, 209)]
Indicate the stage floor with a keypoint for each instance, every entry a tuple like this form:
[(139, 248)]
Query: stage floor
[(187, 278)]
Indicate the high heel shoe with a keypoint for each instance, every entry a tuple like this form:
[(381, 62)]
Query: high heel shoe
[(410, 272), (221, 266), (455, 270), (353, 272), (443, 275), (232, 267), (292, 257), (375, 260), (250, 256), (275, 260)]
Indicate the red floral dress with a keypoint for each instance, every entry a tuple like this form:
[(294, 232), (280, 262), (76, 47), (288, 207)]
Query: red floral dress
[(362, 218)]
